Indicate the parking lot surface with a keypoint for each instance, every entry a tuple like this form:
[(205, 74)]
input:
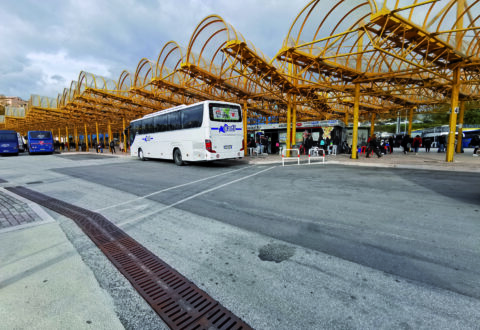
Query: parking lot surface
[(384, 244)]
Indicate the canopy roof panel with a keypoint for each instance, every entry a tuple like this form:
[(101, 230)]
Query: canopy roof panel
[(402, 53)]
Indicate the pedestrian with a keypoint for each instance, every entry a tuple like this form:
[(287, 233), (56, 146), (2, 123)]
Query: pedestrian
[(336, 142), (475, 143), (373, 146), (417, 143), (405, 143), (441, 143), (304, 142), (112, 147), (264, 141), (427, 143), (308, 144), (121, 146), (322, 145), (390, 143)]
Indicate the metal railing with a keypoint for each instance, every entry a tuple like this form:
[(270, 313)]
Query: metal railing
[(316, 153), (285, 157)]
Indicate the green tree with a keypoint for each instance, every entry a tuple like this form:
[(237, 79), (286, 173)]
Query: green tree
[(472, 117)]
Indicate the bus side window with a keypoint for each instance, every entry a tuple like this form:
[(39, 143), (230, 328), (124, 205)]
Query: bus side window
[(193, 117), (160, 123), (174, 122), (135, 127), (148, 126)]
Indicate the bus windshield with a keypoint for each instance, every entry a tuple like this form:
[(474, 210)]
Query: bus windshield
[(40, 135), (225, 113), (8, 137)]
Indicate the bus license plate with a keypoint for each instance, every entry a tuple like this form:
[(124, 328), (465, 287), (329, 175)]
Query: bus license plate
[(227, 147)]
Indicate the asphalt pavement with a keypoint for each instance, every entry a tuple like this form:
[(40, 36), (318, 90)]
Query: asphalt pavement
[(287, 247)]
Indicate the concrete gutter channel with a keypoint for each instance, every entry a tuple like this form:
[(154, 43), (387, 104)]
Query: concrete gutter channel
[(179, 302), (50, 273)]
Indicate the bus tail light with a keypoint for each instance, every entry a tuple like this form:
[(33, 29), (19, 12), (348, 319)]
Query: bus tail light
[(242, 148), (208, 146)]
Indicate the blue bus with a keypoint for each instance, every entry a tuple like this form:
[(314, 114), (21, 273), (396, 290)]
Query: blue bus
[(8, 142), (468, 134), (40, 142)]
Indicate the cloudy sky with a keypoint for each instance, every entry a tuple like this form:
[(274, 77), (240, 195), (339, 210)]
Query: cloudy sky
[(45, 44)]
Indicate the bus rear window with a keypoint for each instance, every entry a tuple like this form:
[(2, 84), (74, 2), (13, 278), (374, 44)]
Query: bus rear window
[(8, 137), (225, 113), (40, 135)]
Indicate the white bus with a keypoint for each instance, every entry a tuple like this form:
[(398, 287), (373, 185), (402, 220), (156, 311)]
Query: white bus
[(204, 131)]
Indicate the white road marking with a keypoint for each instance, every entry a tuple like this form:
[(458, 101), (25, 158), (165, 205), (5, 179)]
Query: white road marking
[(167, 189), (191, 197)]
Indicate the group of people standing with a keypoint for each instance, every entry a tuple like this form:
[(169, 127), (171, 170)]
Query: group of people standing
[(260, 145), (327, 144), (99, 147), (415, 143)]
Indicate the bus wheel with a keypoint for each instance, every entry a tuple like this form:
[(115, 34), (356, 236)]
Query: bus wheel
[(140, 154), (177, 157)]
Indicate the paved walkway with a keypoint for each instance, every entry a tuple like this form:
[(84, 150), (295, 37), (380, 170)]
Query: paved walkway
[(422, 160), (427, 161), (44, 283), (37, 260), (14, 212)]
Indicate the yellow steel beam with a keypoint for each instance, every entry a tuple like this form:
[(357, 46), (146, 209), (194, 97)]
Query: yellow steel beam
[(460, 127)]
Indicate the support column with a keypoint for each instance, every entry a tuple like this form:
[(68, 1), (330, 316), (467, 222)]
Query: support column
[(410, 120), (356, 104), (86, 137), (453, 115), (76, 138), (245, 132), (346, 118), (289, 125), (67, 142), (372, 124), (460, 127), (356, 107), (96, 128), (294, 120), (455, 85), (109, 135), (59, 140), (125, 137)]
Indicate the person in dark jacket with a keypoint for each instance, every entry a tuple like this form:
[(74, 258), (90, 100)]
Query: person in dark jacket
[(308, 143), (373, 146), (390, 143), (441, 143), (427, 143), (405, 143), (475, 142), (112, 147), (417, 143)]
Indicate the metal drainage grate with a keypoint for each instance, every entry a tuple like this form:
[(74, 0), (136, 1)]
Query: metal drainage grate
[(179, 302)]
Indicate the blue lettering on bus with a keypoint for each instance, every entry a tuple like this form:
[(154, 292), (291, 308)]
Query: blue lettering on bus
[(147, 138), (225, 128)]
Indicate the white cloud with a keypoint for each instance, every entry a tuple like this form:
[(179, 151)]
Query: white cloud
[(45, 44)]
